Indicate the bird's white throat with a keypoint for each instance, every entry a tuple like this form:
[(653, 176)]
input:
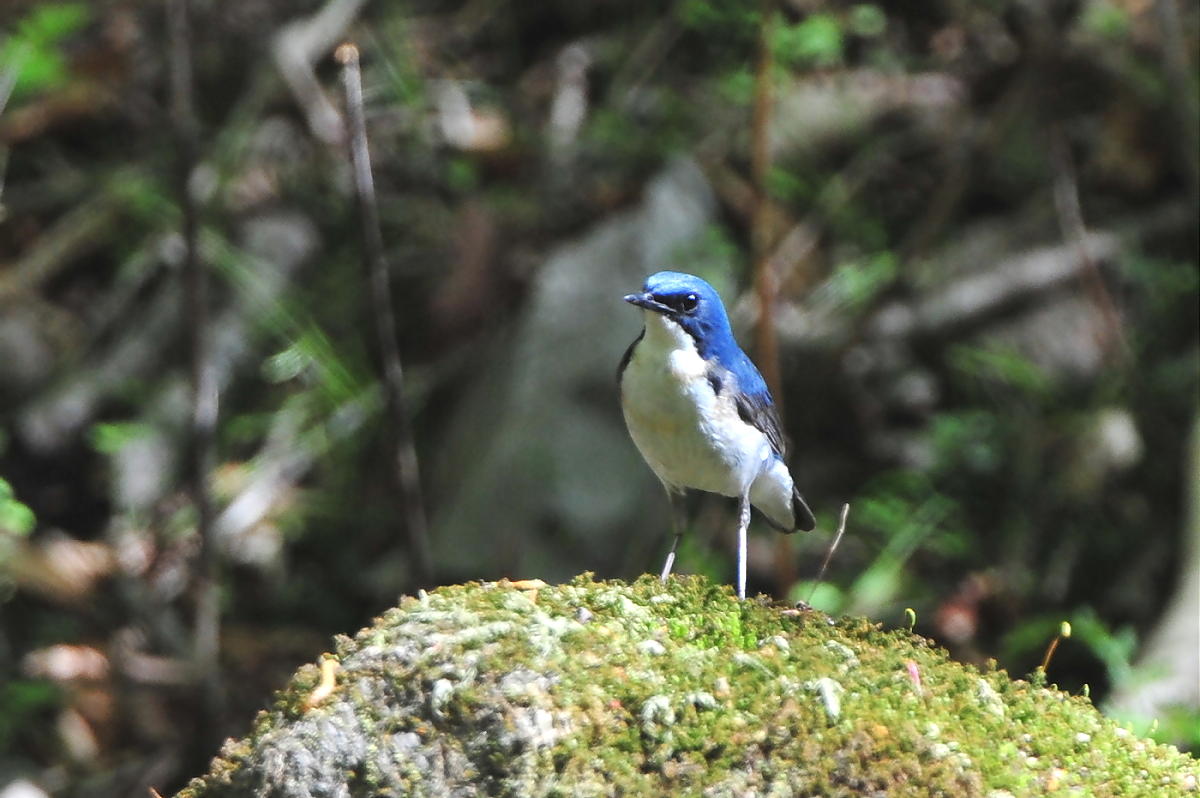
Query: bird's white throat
[(668, 343), (664, 334)]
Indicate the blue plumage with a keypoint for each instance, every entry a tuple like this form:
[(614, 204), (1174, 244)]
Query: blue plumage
[(699, 411)]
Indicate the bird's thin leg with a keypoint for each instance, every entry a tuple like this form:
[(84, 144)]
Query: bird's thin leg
[(743, 526), (677, 510)]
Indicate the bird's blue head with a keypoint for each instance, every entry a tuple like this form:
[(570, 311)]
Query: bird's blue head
[(691, 303)]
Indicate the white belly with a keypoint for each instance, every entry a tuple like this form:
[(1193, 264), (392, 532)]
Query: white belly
[(691, 437)]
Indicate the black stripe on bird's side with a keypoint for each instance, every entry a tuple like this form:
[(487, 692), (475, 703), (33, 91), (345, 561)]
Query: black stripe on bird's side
[(715, 380), (628, 354)]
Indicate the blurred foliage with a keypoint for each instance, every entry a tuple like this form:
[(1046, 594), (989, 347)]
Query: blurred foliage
[(1003, 414), (33, 52), (15, 517), (24, 706), (815, 42)]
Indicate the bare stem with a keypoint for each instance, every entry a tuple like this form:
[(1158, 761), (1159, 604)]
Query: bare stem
[(407, 473), (766, 345), (204, 407), (1050, 649), (1181, 78), (832, 548), (1074, 231)]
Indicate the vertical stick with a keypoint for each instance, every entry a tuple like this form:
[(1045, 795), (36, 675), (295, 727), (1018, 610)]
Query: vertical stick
[(1181, 80), (841, 530), (766, 346), (206, 630), (406, 469), (1074, 231)]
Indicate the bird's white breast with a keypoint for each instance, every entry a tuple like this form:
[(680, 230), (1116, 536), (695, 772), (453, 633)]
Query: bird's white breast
[(691, 436)]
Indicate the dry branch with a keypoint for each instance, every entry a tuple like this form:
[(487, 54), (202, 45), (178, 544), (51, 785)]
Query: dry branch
[(407, 473), (203, 387), (766, 345)]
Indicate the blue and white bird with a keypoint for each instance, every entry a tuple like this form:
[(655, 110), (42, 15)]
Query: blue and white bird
[(700, 413)]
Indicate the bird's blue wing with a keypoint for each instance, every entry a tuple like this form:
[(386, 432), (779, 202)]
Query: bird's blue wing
[(755, 405), (759, 410)]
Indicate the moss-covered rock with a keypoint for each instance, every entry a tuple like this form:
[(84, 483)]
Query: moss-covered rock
[(605, 688)]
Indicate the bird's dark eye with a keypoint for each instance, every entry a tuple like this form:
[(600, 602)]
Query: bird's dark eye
[(689, 303)]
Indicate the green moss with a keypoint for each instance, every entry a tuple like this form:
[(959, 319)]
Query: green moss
[(591, 688)]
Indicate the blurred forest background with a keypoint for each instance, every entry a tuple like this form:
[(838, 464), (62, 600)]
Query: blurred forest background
[(961, 237)]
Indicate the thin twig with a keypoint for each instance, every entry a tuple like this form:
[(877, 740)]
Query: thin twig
[(298, 47), (12, 70), (1074, 231), (407, 473), (75, 233), (1181, 80), (766, 345), (3, 173), (8, 81), (832, 548), (204, 391), (643, 60)]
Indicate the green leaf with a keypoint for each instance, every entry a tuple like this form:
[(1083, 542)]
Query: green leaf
[(20, 701), (858, 282), (736, 19), (15, 517), (34, 50), (867, 19), (49, 23), (970, 439), (286, 365), (817, 41), (462, 175), (1000, 364), (737, 86), (110, 438), (1106, 19), (788, 185)]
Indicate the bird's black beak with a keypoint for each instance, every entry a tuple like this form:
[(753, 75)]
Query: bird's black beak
[(648, 302)]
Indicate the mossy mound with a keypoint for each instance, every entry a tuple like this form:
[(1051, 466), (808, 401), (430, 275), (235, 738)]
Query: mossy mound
[(605, 688)]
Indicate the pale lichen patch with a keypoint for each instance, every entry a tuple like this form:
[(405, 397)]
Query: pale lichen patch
[(657, 711), (830, 692), (989, 698), (652, 648), (844, 653)]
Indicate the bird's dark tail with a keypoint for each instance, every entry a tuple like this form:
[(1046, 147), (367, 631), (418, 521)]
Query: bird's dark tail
[(803, 515)]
